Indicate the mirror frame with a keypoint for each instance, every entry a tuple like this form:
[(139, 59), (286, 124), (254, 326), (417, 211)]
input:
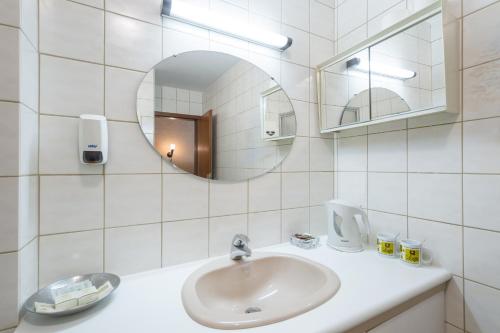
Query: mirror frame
[(451, 67)]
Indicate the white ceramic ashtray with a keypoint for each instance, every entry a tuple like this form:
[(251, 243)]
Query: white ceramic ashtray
[(304, 241), (72, 295)]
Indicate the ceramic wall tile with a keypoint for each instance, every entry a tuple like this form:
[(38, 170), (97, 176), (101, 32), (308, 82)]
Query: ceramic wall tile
[(9, 64), (132, 199), (481, 149), (294, 191), (130, 151), (71, 30), (222, 230), (185, 241), (320, 188), (481, 90), (296, 13), (444, 240), (82, 210), (482, 308), (481, 32), (121, 93), (132, 44), (478, 264), (386, 222), (66, 255), (226, 199), (132, 249), (264, 228), (184, 197), (435, 149), (454, 294), (8, 283), (294, 221), (387, 192), (145, 10), (70, 88), (387, 152), (265, 193), (435, 197)]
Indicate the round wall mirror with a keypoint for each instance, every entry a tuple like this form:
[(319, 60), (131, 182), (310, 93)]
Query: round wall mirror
[(216, 116)]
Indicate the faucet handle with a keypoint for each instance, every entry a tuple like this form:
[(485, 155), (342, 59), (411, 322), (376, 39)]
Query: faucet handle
[(240, 240)]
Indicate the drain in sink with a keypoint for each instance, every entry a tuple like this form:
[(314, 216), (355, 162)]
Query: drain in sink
[(253, 309)]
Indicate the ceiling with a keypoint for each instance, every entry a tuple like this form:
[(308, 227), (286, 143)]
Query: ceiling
[(193, 70)]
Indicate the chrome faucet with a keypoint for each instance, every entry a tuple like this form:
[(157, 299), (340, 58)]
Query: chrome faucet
[(239, 247)]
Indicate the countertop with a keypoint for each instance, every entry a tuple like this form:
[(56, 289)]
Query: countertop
[(151, 301)]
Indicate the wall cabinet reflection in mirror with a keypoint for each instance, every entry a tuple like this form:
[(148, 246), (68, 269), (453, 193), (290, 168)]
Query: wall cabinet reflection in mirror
[(399, 73), (216, 116)]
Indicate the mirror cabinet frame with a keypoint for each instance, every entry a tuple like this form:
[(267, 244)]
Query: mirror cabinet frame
[(451, 44)]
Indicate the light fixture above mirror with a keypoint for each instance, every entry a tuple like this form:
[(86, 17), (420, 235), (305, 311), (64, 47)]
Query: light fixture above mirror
[(180, 11)]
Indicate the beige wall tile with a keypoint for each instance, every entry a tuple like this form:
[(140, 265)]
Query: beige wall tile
[(8, 288), (62, 212), (70, 88), (184, 197), (435, 197), (264, 228), (131, 43), (481, 36), (479, 246), (226, 198), (222, 229), (481, 148), (132, 249), (435, 149), (443, 240), (132, 199), (482, 308), (185, 241), (71, 30), (66, 255), (265, 193)]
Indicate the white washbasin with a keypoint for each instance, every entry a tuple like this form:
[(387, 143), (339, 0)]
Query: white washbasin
[(263, 289)]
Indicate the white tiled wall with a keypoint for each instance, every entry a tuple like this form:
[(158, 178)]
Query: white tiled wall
[(94, 54), (175, 100), (437, 178), (453, 162), (19, 151)]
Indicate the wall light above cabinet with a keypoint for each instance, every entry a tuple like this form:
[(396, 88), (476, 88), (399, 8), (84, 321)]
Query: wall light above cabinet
[(179, 10), (380, 69)]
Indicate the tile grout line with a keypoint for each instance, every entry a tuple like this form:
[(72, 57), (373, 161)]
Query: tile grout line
[(462, 160), (103, 169), (38, 255)]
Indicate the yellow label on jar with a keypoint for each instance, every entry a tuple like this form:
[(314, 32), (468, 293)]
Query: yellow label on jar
[(410, 255), (385, 247)]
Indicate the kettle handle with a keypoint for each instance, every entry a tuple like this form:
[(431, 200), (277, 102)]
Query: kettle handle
[(364, 220)]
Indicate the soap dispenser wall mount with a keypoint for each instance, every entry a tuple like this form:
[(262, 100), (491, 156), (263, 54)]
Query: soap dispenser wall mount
[(93, 139), (344, 221)]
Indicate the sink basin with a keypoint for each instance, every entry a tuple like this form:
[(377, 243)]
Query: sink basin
[(261, 290)]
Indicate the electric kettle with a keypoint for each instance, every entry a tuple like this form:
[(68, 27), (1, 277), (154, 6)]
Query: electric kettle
[(344, 221)]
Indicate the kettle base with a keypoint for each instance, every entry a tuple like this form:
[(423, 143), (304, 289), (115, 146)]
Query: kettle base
[(345, 248)]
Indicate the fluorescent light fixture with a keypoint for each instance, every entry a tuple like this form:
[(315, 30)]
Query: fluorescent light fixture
[(178, 10), (380, 69)]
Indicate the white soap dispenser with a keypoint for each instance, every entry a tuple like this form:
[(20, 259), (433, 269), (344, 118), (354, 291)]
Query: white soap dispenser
[(93, 139)]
